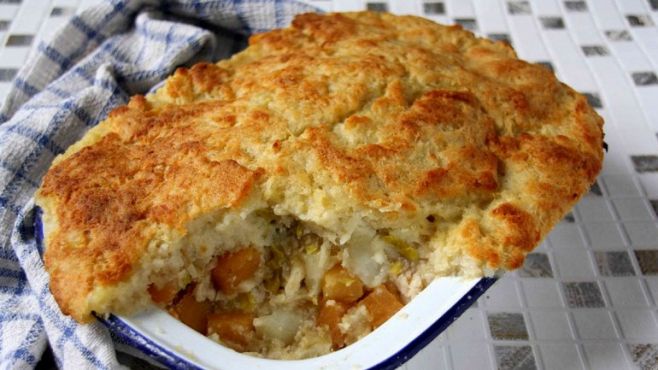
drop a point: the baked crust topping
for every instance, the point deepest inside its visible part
(413, 129)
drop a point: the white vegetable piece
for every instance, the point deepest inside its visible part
(281, 325)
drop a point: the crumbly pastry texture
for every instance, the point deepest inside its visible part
(398, 148)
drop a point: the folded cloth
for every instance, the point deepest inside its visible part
(70, 83)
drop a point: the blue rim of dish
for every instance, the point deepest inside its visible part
(166, 357)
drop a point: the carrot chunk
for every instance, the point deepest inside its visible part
(235, 328)
(192, 312)
(164, 294)
(340, 285)
(331, 312)
(233, 268)
(381, 303)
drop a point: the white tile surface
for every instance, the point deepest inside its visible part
(604, 236)
(470, 355)
(542, 293)
(573, 264)
(595, 209)
(550, 325)
(605, 356)
(593, 324)
(626, 292)
(468, 327)
(638, 324)
(642, 234)
(502, 295)
(560, 356)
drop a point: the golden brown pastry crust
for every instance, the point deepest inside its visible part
(402, 117)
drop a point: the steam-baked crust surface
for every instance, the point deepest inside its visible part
(393, 120)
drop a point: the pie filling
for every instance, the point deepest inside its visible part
(293, 294)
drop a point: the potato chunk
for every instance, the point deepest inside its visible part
(331, 312)
(340, 285)
(192, 312)
(233, 268)
(235, 328)
(381, 304)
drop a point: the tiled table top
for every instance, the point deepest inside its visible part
(586, 298)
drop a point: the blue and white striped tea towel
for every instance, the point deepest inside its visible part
(93, 64)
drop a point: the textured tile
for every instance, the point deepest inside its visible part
(507, 326)
(653, 4)
(618, 35)
(500, 37)
(639, 20)
(645, 356)
(536, 265)
(595, 50)
(552, 23)
(569, 218)
(515, 358)
(593, 99)
(19, 40)
(645, 163)
(614, 263)
(648, 261)
(61, 11)
(7, 74)
(576, 6)
(583, 294)
(548, 65)
(518, 7)
(377, 7)
(434, 8)
(468, 23)
(595, 189)
(644, 78)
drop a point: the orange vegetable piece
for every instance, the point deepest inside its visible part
(381, 304)
(192, 313)
(331, 312)
(235, 328)
(163, 295)
(340, 285)
(233, 268)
